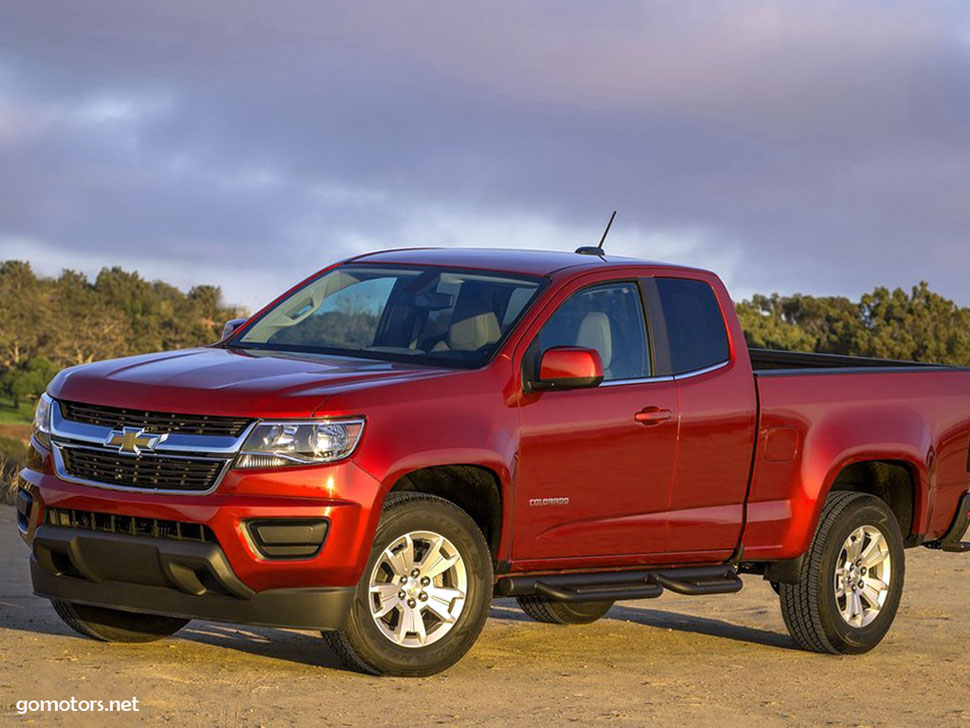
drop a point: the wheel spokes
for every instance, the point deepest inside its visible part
(855, 608)
(417, 625)
(387, 595)
(862, 575)
(417, 588)
(401, 559)
(875, 553)
(871, 595)
(436, 562)
(853, 546)
(441, 601)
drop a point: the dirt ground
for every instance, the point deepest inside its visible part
(714, 661)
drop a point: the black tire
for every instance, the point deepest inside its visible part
(810, 607)
(362, 646)
(115, 625)
(545, 610)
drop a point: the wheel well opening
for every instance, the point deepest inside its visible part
(472, 488)
(890, 480)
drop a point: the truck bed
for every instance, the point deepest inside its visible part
(911, 417)
(774, 360)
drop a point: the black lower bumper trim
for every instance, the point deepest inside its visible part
(159, 576)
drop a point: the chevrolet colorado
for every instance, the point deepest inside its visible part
(405, 434)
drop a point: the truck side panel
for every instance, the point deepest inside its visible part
(813, 425)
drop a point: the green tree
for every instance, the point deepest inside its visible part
(920, 325)
(27, 379)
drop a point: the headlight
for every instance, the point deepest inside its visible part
(275, 444)
(42, 421)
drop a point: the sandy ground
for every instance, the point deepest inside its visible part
(713, 661)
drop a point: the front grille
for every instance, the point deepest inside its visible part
(151, 472)
(156, 422)
(129, 525)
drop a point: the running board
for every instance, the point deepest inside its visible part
(952, 541)
(618, 585)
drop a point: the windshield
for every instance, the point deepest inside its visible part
(427, 315)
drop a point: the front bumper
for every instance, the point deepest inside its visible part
(139, 572)
(179, 579)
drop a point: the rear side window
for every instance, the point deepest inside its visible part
(695, 326)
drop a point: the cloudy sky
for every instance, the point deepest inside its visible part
(821, 147)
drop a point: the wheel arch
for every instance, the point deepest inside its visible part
(896, 482)
(476, 489)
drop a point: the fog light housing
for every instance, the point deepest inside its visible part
(277, 538)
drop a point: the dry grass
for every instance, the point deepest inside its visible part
(8, 489)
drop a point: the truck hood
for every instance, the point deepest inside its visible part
(228, 382)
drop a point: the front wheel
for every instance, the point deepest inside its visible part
(424, 596)
(851, 579)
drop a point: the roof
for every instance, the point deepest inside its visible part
(506, 260)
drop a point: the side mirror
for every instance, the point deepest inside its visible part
(568, 367)
(230, 328)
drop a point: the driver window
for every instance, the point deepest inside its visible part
(608, 318)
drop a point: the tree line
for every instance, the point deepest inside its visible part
(49, 323)
(918, 325)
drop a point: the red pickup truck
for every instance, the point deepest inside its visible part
(406, 434)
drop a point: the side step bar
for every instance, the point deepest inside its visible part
(953, 540)
(618, 585)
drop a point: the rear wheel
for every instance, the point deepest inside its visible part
(551, 612)
(424, 595)
(116, 625)
(851, 579)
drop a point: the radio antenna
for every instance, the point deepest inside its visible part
(598, 250)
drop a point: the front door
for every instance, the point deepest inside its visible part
(596, 465)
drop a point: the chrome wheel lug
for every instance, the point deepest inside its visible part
(412, 603)
(401, 595)
(423, 597)
(415, 573)
(425, 581)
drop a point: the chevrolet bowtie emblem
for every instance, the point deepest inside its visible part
(133, 440)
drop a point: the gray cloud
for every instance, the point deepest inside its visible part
(820, 147)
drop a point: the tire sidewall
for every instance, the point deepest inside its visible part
(583, 612)
(439, 516)
(844, 637)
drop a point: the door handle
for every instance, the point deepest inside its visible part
(652, 416)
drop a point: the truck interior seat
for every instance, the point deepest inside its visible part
(474, 332)
(595, 332)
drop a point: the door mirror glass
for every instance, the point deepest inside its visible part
(568, 367)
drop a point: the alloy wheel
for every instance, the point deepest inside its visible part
(863, 573)
(417, 589)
